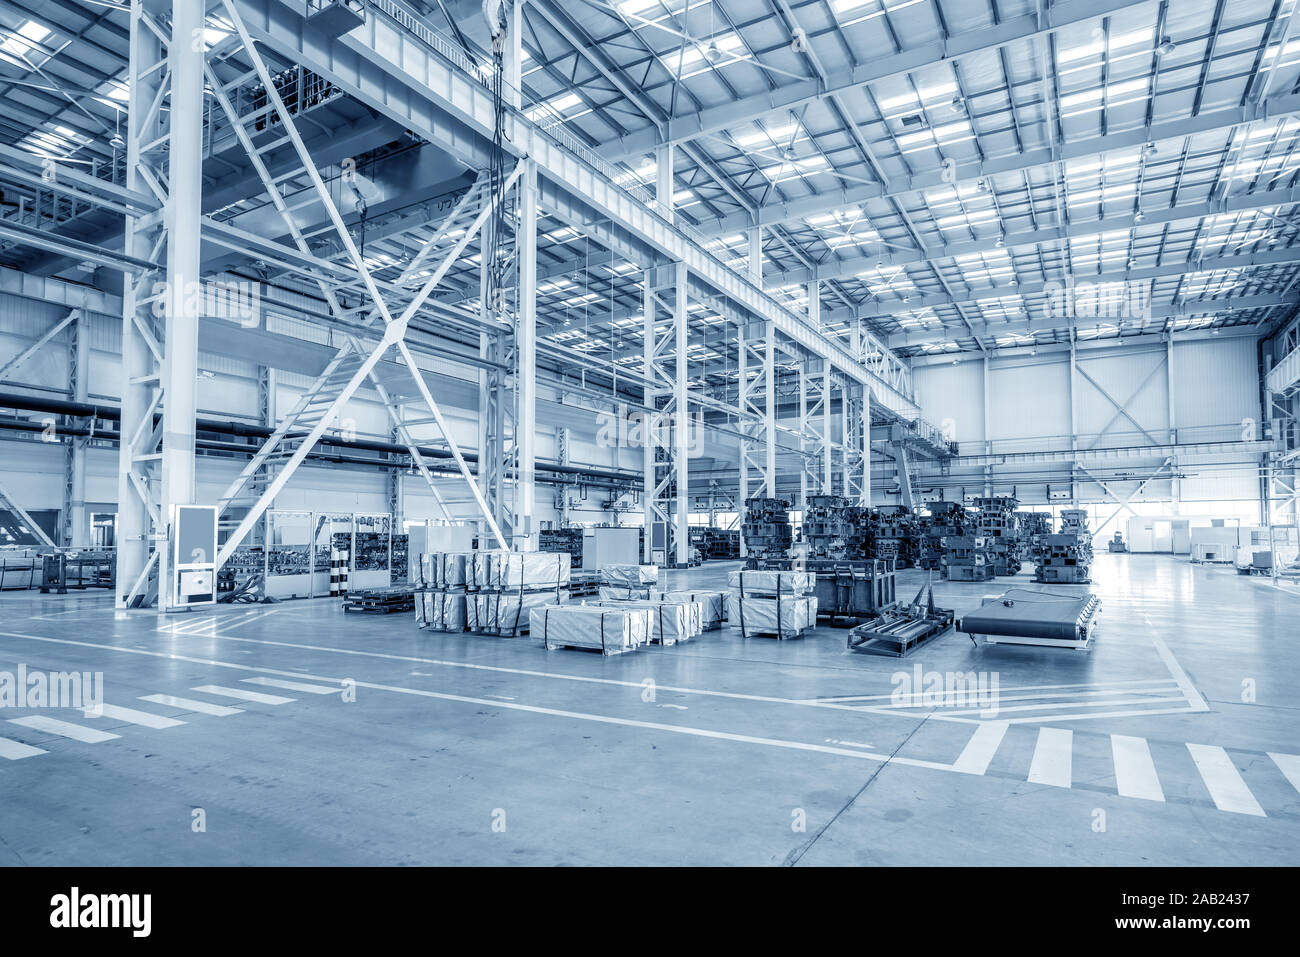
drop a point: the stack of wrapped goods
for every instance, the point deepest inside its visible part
(609, 630)
(624, 582)
(670, 621)
(505, 586)
(778, 604)
(713, 605)
(441, 591)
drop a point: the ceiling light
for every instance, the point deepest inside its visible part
(117, 142)
(1000, 242)
(983, 186)
(1166, 47)
(713, 53)
(957, 105)
(1138, 216)
(1150, 149)
(1132, 263)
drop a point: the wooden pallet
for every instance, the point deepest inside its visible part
(380, 604)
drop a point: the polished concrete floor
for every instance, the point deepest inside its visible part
(1173, 739)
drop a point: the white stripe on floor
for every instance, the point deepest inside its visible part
(292, 686)
(65, 729)
(1289, 765)
(1052, 763)
(189, 704)
(1135, 772)
(14, 750)
(1223, 781)
(981, 747)
(131, 716)
(243, 694)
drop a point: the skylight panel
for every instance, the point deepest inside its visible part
(24, 40)
(938, 92)
(1122, 41)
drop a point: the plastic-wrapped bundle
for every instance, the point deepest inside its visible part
(670, 621)
(611, 631)
(624, 592)
(713, 605)
(632, 575)
(505, 614)
(441, 610)
(755, 582)
(496, 569)
(780, 617)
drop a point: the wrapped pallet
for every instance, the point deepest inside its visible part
(505, 614)
(713, 605)
(777, 617)
(611, 631)
(444, 570)
(670, 622)
(443, 610)
(751, 581)
(527, 571)
(628, 580)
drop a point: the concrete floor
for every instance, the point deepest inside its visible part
(471, 750)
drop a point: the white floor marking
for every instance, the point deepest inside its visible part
(189, 704)
(1115, 685)
(1039, 719)
(64, 729)
(1053, 757)
(1072, 704)
(131, 716)
(16, 750)
(1289, 765)
(981, 747)
(292, 685)
(1135, 772)
(243, 694)
(1170, 688)
(1189, 690)
(1223, 781)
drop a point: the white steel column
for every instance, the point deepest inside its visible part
(648, 417)
(769, 410)
(681, 420)
(513, 55)
(814, 303)
(664, 179)
(742, 400)
(526, 369)
(866, 447)
(828, 448)
(76, 520)
(756, 255)
(182, 214)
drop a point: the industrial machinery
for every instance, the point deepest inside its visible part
(894, 533)
(853, 588)
(904, 628)
(998, 525)
(946, 519)
(715, 544)
(833, 528)
(567, 540)
(1066, 558)
(1116, 544)
(766, 531)
(1033, 526)
(965, 558)
(1025, 616)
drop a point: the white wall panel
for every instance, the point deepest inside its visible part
(953, 394)
(1215, 382)
(1134, 378)
(1028, 398)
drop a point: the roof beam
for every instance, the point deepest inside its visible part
(682, 129)
(971, 171)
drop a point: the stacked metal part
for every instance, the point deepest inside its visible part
(965, 558)
(766, 531)
(715, 544)
(1033, 526)
(1066, 558)
(831, 528)
(998, 524)
(946, 520)
(895, 533)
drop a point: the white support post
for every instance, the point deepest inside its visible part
(182, 215)
(756, 255)
(828, 448)
(866, 447)
(526, 369)
(803, 437)
(513, 55)
(814, 304)
(769, 410)
(647, 418)
(76, 525)
(742, 402)
(682, 419)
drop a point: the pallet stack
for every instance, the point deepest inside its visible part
(627, 582)
(441, 591)
(505, 586)
(671, 622)
(713, 605)
(609, 630)
(775, 604)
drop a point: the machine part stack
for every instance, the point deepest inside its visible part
(997, 523)
(715, 544)
(1066, 558)
(776, 604)
(1033, 526)
(1024, 616)
(904, 628)
(833, 528)
(946, 520)
(894, 533)
(766, 531)
(965, 559)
